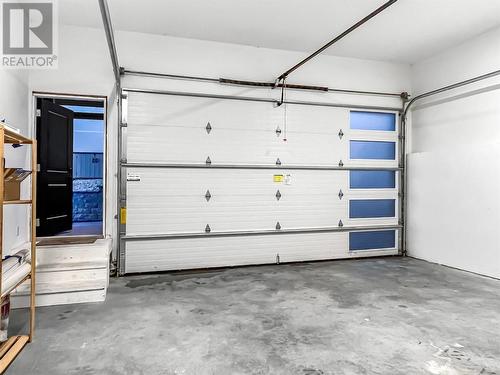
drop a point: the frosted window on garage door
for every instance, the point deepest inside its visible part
(372, 121)
(371, 208)
(372, 240)
(372, 179)
(373, 150)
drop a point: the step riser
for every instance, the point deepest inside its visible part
(18, 302)
(51, 282)
(74, 253)
(67, 256)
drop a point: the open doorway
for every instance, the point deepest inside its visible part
(71, 133)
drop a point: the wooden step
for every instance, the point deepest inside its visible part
(68, 274)
(62, 254)
(10, 349)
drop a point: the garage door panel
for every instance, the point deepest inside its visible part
(306, 247)
(144, 256)
(172, 144)
(371, 135)
(175, 254)
(168, 129)
(193, 145)
(316, 120)
(313, 149)
(193, 112)
(163, 200)
(162, 182)
(234, 207)
(229, 215)
(148, 213)
(184, 182)
(370, 222)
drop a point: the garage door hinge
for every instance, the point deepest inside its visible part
(208, 195)
(37, 222)
(208, 161)
(278, 226)
(38, 113)
(123, 160)
(341, 163)
(278, 195)
(207, 229)
(123, 124)
(208, 128)
(278, 161)
(277, 258)
(341, 224)
(124, 96)
(341, 194)
(278, 131)
(341, 133)
(401, 137)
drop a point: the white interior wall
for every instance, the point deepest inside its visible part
(14, 108)
(454, 171)
(85, 68)
(164, 54)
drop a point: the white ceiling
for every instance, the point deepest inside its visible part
(408, 31)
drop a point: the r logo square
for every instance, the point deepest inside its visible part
(28, 34)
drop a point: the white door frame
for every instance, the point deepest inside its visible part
(47, 95)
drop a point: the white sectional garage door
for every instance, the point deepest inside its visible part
(213, 182)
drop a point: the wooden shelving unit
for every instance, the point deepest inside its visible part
(15, 344)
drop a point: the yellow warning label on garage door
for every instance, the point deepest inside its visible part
(123, 215)
(278, 178)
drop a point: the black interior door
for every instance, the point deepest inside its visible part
(55, 174)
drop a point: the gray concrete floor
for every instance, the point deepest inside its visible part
(372, 316)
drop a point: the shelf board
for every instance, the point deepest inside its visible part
(13, 137)
(10, 349)
(15, 286)
(19, 201)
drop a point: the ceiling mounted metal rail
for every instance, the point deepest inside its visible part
(170, 76)
(450, 87)
(226, 81)
(336, 39)
(271, 85)
(256, 166)
(108, 29)
(167, 236)
(265, 100)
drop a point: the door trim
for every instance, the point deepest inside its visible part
(48, 95)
